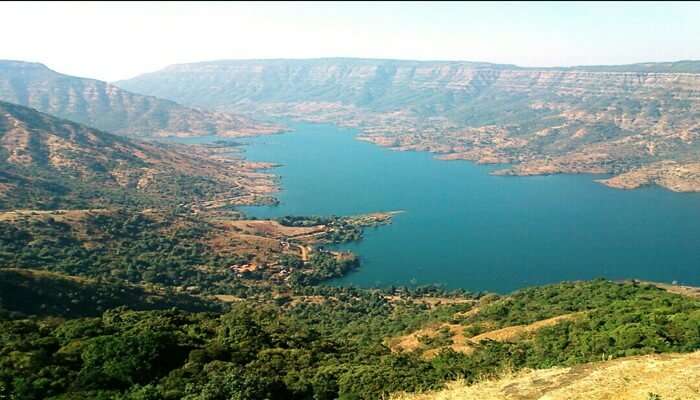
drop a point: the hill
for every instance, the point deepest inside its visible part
(638, 122)
(50, 163)
(106, 107)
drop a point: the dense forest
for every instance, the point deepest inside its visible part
(31, 292)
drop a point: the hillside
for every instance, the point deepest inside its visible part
(638, 122)
(106, 107)
(49, 163)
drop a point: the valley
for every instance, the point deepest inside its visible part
(458, 218)
(165, 260)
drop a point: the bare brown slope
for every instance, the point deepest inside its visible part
(49, 163)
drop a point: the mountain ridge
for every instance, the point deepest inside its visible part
(690, 64)
(107, 107)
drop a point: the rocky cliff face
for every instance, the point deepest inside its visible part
(602, 119)
(110, 108)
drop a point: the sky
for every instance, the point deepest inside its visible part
(119, 40)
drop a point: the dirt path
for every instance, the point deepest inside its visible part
(304, 251)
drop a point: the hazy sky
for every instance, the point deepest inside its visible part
(113, 41)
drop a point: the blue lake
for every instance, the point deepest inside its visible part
(462, 227)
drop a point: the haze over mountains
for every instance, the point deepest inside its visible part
(105, 106)
(639, 122)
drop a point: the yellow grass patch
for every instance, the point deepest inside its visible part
(516, 331)
(227, 298)
(463, 344)
(67, 216)
(273, 228)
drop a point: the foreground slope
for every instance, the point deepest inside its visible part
(327, 342)
(51, 163)
(638, 122)
(666, 376)
(109, 108)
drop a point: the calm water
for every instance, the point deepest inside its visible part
(464, 228)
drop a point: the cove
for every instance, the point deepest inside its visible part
(463, 228)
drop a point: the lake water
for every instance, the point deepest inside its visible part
(462, 227)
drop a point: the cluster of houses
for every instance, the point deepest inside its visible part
(241, 269)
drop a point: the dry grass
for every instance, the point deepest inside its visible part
(273, 228)
(411, 342)
(463, 344)
(433, 301)
(226, 298)
(671, 376)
